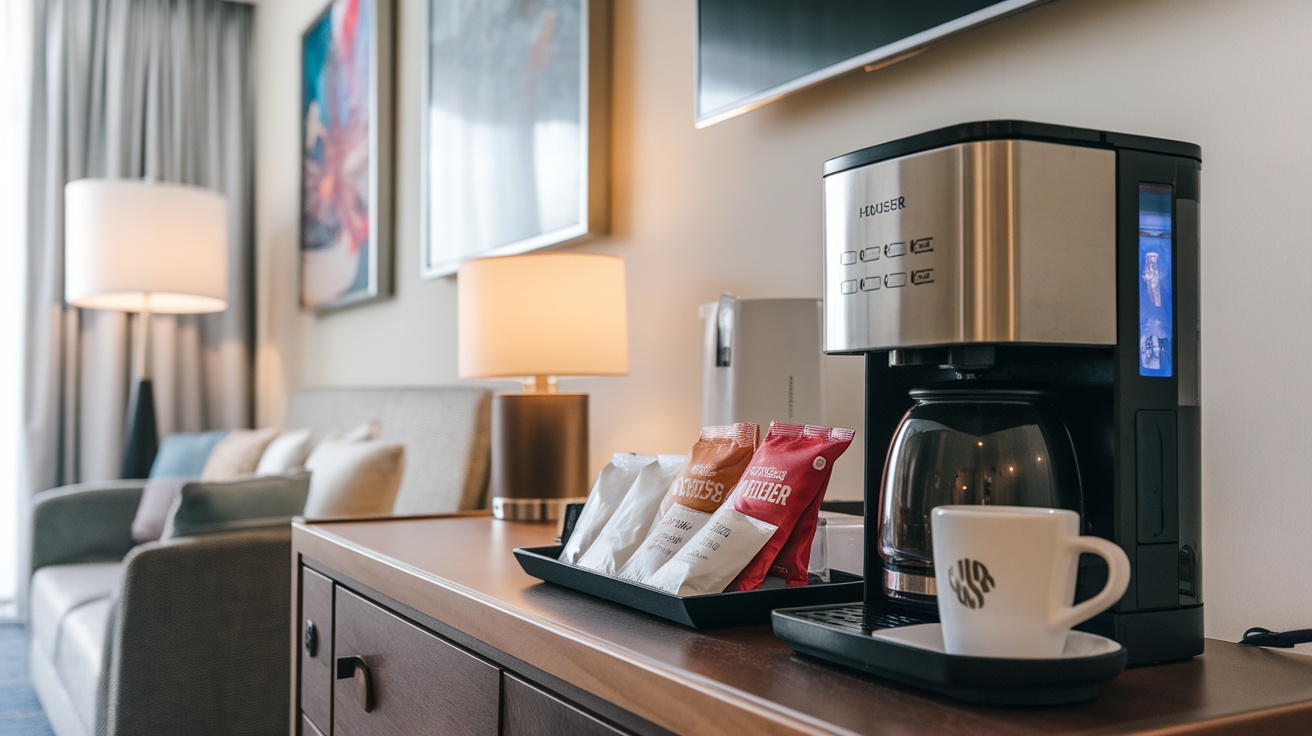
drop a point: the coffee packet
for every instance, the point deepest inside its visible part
(713, 467)
(784, 486)
(628, 526)
(607, 492)
(714, 555)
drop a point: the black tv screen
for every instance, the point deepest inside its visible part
(750, 52)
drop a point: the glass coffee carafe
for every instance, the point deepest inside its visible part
(967, 443)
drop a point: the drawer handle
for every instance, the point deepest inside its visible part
(354, 667)
(311, 638)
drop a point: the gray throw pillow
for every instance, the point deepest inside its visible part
(184, 454)
(205, 507)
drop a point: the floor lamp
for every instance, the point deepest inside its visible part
(151, 248)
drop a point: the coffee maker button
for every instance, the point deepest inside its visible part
(871, 283)
(894, 280)
(870, 254)
(922, 276)
(847, 258)
(893, 250)
(848, 287)
(922, 245)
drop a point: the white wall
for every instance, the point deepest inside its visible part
(737, 207)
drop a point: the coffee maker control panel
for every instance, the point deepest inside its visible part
(982, 242)
(894, 275)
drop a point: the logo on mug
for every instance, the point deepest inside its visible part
(970, 580)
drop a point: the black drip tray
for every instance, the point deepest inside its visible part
(889, 641)
(860, 618)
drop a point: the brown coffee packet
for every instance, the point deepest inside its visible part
(715, 464)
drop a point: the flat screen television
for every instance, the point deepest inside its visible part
(751, 52)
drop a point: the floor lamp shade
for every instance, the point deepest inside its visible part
(145, 247)
(536, 317)
(136, 246)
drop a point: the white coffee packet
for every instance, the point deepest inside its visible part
(676, 527)
(607, 492)
(628, 526)
(714, 556)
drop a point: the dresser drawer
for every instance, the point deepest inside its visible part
(529, 711)
(395, 678)
(315, 640)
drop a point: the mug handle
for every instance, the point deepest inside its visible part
(1118, 580)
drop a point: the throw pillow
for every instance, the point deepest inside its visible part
(237, 454)
(153, 511)
(285, 454)
(207, 507)
(184, 454)
(353, 478)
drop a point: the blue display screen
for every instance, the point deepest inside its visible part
(1156, 282)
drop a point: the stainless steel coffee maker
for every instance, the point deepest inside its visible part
(1026, 300)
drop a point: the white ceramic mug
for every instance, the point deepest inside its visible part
(1005, 579)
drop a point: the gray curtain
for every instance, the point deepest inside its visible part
(133, 88)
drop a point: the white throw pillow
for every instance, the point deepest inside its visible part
(286, 454)
(353, 478)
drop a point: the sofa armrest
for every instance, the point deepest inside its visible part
(84, 522)
(197, 642)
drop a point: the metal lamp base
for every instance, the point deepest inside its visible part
(539, 454)
(530, 509)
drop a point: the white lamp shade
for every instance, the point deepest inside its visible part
(559, 314)
(134, 246)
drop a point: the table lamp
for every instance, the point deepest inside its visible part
(537, 318)
(151, 248)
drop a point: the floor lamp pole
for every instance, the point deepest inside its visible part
(143, 437)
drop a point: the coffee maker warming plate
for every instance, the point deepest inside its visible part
(995, 241)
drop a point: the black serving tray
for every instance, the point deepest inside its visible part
(839, 634)
(720, 610)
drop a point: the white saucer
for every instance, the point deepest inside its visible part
(1079, 645)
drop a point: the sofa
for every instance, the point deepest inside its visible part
(191, 635)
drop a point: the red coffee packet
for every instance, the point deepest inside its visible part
(783, 485)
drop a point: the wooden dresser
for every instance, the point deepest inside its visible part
(434, 628)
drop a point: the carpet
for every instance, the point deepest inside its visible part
(20, 712)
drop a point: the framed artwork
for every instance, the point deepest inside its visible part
(346, 151)
(515, 127)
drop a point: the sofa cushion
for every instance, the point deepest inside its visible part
(237, 454)
(354, 478)
(50, 690)
(207, 507)
(445, 430)
(81, 654)
(58, 590)
(184, 454)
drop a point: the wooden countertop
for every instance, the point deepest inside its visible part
(460, 570)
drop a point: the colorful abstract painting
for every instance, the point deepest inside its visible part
(340, 227)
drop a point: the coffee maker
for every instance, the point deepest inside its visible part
(1040, 267)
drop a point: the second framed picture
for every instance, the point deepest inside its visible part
(515, 127)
